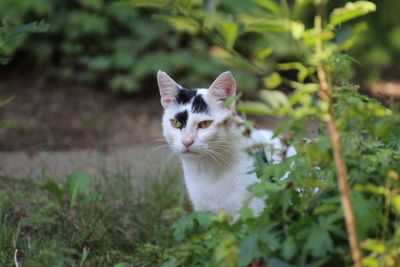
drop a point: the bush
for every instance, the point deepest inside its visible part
(100, 42)
(316, 216)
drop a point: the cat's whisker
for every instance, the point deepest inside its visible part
(218, 157)
(214, 158)
(221, 157)
(161, 140)
(165, 160)
(159, 148)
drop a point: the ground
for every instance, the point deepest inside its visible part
(44, 116)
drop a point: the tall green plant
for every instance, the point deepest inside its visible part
(309, 217)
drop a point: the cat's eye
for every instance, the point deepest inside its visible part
(176, 124)
(204, 124)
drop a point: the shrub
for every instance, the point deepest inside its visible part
(103, 43)
(343, 184)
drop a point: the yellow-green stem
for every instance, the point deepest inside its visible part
(325, 93)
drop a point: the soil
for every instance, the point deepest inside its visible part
(43, 116)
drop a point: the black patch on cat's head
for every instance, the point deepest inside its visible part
(185, 95)
(199, 105)
(182, 117)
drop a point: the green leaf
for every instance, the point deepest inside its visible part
(319, 242)
(183, 5)
(181, 23)
(144, 3)
(303, 71)
(297, 29)
(268, 5)
(77, 183)
(249, 249)
(396, 203)
(273, 80)
(229, 32)
(350, 11)
(255, 108)
(275, 98)
(34, 27)
(374, 245)
(226, 251)
(267, 25)
(232, 99)
(263, 53)
(289, 248)
(54, 189)
(183, 226)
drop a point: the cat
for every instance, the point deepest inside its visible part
(212, 143)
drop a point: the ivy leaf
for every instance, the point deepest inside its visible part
(350, 11)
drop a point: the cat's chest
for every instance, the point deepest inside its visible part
(218, 190)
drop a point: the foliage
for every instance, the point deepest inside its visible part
(303, 223)
(105, 43)
(7, 33)
(377, 44)
(88, 221)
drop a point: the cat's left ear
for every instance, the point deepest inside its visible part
(168, 88)
(223, 87)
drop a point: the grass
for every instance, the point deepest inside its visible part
(110, 223)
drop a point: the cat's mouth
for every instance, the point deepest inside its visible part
(189, 152)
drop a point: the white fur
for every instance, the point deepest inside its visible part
(216, 167)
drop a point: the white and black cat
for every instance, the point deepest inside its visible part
(208, 138)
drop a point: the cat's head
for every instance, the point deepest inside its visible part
(194, 121)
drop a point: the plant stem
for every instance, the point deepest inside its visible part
(325, 93)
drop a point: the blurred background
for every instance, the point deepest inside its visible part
(87, 85)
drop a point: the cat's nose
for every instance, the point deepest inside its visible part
(187, 142)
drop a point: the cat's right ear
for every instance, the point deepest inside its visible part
(168, 88)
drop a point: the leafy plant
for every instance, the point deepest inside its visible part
(319, 214)
(8, 32)
(106, 44)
